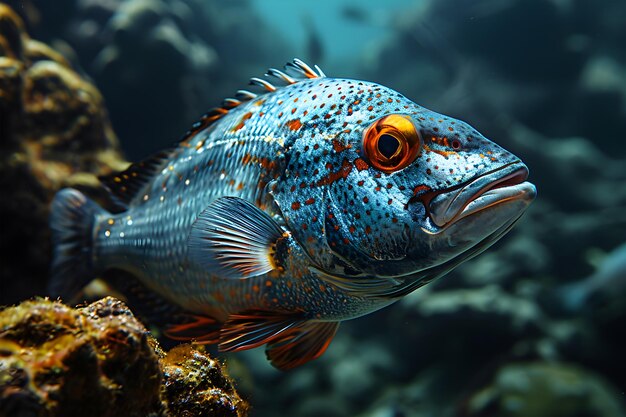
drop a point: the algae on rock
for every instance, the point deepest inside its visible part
(99, 360)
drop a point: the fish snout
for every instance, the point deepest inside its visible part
(496, 187)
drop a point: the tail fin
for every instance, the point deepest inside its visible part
(72, 219)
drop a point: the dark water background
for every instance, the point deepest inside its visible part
(533, 327)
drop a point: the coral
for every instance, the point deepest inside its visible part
(55, 133)
(99, 360)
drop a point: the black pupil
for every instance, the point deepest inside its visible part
(388, 145)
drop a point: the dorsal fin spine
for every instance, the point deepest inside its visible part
(262, 83)
(127, 184)
(273, 72)
(297, 66)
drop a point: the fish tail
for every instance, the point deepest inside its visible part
(72, 218)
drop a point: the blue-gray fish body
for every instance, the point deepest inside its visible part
(281, 214)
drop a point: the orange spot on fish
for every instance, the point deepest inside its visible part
(295, 205)
(309, 201)
(360, 165)
(294, 124)
(420, 188)
(339, 146)
(242, 122)
(344, 171)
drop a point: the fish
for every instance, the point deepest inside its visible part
(291, 208)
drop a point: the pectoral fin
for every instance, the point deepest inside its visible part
(234, 239)
(292, 340)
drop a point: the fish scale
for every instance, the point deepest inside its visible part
(280, 214)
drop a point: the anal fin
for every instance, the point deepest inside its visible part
(292, 340)
(253, 328)
(174, 321)
(301, 344)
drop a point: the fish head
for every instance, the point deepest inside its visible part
(384, 187)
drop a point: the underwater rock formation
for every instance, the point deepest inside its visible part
(99, 360)
(55, 133)
(159, 64)
(196, 385)
(545, 390)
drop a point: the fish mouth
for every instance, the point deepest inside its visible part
(505, 184)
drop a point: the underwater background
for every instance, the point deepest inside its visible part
(533, 327)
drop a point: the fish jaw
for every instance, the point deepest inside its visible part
(499, 186)
(472, 217)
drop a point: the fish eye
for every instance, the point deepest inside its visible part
(388, 146)
(391, 143)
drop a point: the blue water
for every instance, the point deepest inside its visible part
(344, 40)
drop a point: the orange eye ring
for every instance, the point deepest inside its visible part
(391, 143)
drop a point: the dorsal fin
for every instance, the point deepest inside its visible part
(125, 185)
(295, 71)
(129, 183)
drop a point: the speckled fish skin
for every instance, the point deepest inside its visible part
(356, 238)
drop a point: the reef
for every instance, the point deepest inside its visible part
(55, 133)
(99, 360)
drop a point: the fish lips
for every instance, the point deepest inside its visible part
(496, 187)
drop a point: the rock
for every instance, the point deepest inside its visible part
(160, 64)
(99, 360)
(55, 133)
(196, 385)
(96, 360)
(545, 390)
